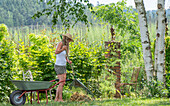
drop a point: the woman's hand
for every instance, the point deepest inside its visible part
(64, 47)
(69, 61)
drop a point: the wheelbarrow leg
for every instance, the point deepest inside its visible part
(46, 96)
(31, 97)
(38, 97)
(22, 94)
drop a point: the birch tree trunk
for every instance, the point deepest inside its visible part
(156, 53)
(147, 56)
(161, 40)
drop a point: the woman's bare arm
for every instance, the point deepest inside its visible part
(60, 48)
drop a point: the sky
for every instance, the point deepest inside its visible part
(149, 4)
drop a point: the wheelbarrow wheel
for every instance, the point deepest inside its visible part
(14, 98)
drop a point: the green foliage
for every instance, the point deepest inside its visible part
(42, 53)
(66, 11)
(7, 65)
(167, 62)
(107, 84)
(123, 18)
(167, 55)
(19, 12)
(3, 31)
(88, 62)
(154, 88)
(39, 58)
(125, 22)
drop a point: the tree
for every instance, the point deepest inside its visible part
(7, 64)
(20, 12)
(123, 18)
(147, 56)
(68, 11)
(160, 41)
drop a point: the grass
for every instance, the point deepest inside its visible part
(109, 102)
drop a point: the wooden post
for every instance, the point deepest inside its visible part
(114, 47)
(117, 68)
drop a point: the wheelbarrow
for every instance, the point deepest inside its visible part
(18, 97)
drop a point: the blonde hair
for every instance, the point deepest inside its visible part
(65, 42)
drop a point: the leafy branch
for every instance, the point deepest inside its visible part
(68, 11)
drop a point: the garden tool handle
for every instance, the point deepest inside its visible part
(71, 65)
(72, 69)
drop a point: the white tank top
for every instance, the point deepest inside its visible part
(61, 58)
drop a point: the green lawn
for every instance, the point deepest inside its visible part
(109, 102)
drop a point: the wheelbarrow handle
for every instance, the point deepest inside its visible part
(58, 80)
(66, 79)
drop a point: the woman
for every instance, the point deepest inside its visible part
(61, 52)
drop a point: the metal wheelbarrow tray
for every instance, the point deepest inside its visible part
(32, 85)
(18, 97)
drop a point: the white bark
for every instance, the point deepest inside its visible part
(147, 56)
(156, 57)
(161, 40)
(156, 53)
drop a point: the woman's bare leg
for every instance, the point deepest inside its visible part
(56, 98)
(63, 77)
(59, 91)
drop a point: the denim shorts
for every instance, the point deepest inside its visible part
(60, 69)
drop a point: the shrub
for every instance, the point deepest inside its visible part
(7, 63)
(39, 58)
(154, 88)
(3, 31)
(88, 63)
(167, 63)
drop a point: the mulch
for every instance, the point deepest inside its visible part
(79, 97)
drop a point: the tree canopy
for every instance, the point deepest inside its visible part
(68, 11)
(19, 12)
(123, 18)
